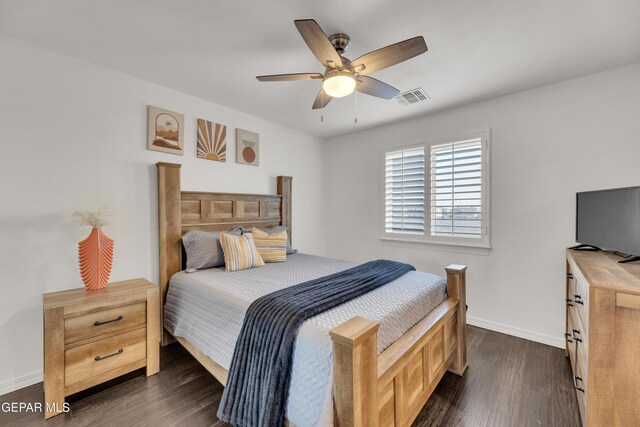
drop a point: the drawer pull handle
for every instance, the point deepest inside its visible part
(568, 337)
(578, 299)
(569, 302)
(575, 383)
(117, 319)
(573, 335)
(99, 358)
(569, 275)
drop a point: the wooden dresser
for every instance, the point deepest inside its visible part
(603, 337)
(94, 336)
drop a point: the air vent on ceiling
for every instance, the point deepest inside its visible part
(412, 96)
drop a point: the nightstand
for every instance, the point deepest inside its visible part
(93, 336)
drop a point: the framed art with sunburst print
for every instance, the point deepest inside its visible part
(212, 141)
(247, 147)
(166, 131)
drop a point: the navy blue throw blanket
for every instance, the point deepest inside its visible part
(258, 385)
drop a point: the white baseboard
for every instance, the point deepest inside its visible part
(20, 382)
(516, 332)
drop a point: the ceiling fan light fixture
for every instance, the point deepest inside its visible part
(338, 83)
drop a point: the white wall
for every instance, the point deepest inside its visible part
(73, 137)
(547, 144)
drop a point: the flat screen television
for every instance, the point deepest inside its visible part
(610, 219)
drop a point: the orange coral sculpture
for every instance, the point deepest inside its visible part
(96, 257)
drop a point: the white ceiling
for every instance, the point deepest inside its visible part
(213, 49)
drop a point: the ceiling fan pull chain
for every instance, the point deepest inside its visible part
(322, 98)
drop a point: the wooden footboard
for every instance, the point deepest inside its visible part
(392, 388)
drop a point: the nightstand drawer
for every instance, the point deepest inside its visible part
(98, 357)
(103, 322)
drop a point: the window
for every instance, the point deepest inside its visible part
(438, 192)
(404, 190)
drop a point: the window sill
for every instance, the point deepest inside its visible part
(477, 248)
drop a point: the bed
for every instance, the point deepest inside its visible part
(378, 368)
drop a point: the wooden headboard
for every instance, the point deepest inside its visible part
(180, 211)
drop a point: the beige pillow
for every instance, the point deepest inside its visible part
(272, 247)
(240, 252)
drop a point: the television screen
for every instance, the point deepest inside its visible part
(609, 219)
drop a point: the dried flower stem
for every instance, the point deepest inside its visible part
(97, 218)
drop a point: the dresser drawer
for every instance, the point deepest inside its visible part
(580, 385)
(104, 322)
(579, 336)
(571, 284)
(582, 295)
(579, 294)
(571, 344)
(98, 357)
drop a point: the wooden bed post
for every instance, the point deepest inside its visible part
(169, 232)
(355, 373)
(457, 288)
(284, 190)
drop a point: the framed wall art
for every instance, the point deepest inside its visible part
(247, 147)
(165, 131)
(212, 141)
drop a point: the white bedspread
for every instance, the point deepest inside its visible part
(207, 308)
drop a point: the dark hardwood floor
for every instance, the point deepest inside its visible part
(510, 382)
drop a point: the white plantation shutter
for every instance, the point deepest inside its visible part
(404, 191)
(456, 189)
(438, 192)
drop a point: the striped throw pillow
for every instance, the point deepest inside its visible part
(272, 247)
(240, 252)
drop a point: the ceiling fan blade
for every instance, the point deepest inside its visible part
(390, 55)
(289, 77)
(375, 87)
(318, 42)
(321, 100)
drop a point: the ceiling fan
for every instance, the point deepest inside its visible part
(342, 76)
